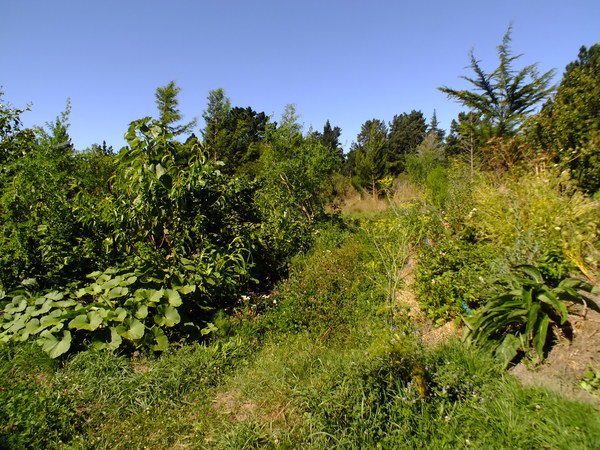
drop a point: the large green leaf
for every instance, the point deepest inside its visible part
(113, 282)
(533, 272)
(160, 171)
(53, 345)
(54, 295)
(89, 321)
(128, 281)
(187, 289)
(149, 295)
(131, 329)
(159, 342)
(107, 338)
(45, 307)
(18, 304)
(539, 338)
(532, 318)
(508, 349)
(574, 283)
(142, 312)
(550, 299)
(173, 297)
(51, 319)
(64, 303)
(117, 292)
(33, 326)
(166, 316)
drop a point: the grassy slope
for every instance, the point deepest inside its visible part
(326, 362)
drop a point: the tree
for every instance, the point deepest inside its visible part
(293, 189)
(370, 149)
(435, 129)
(330, 138)
(504, 97)
(464, 138)
(289, 121)
(214, 116)
(169, 114)
(37, 189)
(568, 127)
(237, 146)
(407, 131)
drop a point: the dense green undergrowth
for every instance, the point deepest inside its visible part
(325, 361)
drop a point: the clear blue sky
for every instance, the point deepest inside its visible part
(343, 60)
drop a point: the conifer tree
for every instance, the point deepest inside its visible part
(504, 97)
(169, 114)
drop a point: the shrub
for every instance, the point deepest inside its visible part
(543, 210)
(519, 318)
(450, 276)
(326, 291)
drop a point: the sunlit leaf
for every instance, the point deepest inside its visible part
(173, 297)
(54, 345)
(131, 329)
(167, 316)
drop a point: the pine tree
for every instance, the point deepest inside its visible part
(215, 116)
(504, 97)
(167, 103)
(435, 129)
(330, 138)
(407, 131)
(370, 150)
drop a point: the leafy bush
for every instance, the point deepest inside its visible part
(543, 210)
(519, 318)
(325, 292)
(450, 277)
(436, 185)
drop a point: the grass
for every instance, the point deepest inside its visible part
(325, 362)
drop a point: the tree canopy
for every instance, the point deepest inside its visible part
(505, 96)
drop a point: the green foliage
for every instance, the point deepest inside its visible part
(505, 96)
(535, 214)
(37, 228)
(293, 191)
(167, 102)
(330, 138)
(428, 155)
(519, 318)
(591, 381)
(567, 129)
(325, 293)
(388, 242)
(407, 132)
(112, 308)
(34, 411)
(233, 135)
(449, 276)
(370, 155)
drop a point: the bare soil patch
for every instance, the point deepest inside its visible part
(568, 360)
